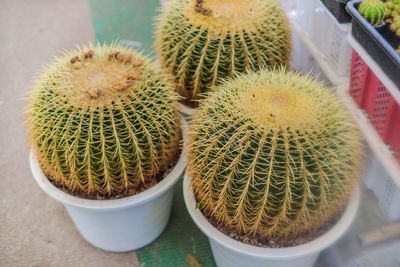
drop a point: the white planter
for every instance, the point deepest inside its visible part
(186, 111)
(120, 224)
(232, 253)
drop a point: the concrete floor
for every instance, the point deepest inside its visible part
(34, 229)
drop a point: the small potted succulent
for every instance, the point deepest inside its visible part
(105, 133)
(376, 26)
(201, 42)
(273, 162)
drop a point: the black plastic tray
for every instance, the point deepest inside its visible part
(380, 42)
(338, 9)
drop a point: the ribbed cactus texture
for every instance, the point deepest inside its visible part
(200, 42)
(374, 11)
(103, 120)
(272, 155)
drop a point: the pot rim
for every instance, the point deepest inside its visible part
(111, 204)
(186, 110)
(314, 246)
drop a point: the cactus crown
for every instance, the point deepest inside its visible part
(103, 120)
(277, 107)
(203, 41)
(374, 11)
(272, 155)
(225, 15)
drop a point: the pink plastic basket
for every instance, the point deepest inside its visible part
(372, 96)
(358, 76)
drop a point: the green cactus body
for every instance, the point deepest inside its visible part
(103, 120)
(201, 42)
(374, 11)
(272, 155)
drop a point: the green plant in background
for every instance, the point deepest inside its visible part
(393, 8)
(103, 120)
(272, 155)
(374, 11)
(203, 41)
(395, 25)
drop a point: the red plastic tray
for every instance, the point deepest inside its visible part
(358, 78)
(372, 96)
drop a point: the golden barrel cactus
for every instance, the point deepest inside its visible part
(203, 41)
(273, 155)
(102, 120)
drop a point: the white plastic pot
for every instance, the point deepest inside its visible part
(120, 224)
(232, 253)
(186, 111)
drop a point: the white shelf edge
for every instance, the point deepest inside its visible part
(388, 83)
(345, 27)
(318, 56)
(380, 149)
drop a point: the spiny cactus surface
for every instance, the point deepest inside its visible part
(273, 155)
(103, 120)
(200, 42)
(374, 11)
